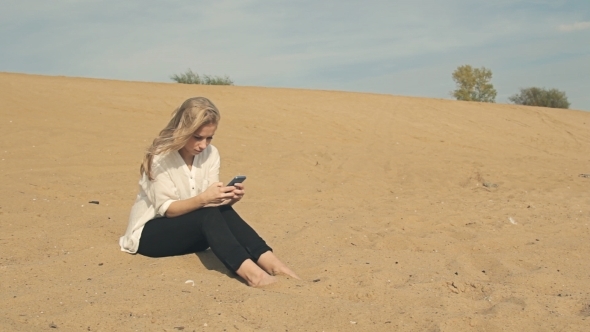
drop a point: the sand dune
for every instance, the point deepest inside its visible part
(401, 214)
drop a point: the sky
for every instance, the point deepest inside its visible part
(407, 48)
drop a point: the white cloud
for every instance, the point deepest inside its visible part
(574, 27)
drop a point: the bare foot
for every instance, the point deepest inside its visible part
(254, 275)
(273, 266)
(265, 281)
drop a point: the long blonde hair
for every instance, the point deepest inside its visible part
(188, 118)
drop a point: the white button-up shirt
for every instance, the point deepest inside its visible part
(173, 181)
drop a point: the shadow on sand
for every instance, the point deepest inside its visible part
(212, 263)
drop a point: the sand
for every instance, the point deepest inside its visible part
(399, 213)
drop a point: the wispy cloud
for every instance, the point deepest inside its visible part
(574, 27)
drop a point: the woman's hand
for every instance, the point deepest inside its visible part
(218, 194)
(238, 192)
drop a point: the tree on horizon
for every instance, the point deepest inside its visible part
(473, 84)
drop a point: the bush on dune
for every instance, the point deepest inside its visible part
(541, 97)
(189, 77)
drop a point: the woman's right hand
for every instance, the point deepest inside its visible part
(217, 194)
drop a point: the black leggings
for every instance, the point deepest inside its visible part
(231, 239)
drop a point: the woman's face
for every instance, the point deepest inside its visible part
(199, 140)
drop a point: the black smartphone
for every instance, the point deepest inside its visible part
(237, 179)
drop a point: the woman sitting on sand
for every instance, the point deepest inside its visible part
(182, 207)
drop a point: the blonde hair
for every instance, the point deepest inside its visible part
(186, 120)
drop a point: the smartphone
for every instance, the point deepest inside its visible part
(237, 179)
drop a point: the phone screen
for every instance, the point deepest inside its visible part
(237, 179)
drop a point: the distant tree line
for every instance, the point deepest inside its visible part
(189, 77)
(473, 84)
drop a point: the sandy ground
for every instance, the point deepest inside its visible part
(401, 214)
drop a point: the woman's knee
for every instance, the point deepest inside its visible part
(213, 221)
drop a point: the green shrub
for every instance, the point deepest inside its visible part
(541, 97)
(189, 77)
(473, 84)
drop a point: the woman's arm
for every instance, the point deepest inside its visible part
(217, 194)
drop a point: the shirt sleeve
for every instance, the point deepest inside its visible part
(163, 190)
(214, 164)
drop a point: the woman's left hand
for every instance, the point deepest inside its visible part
(238, 192)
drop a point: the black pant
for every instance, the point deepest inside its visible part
(231, 239)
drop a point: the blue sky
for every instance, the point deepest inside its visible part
(394, 47)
